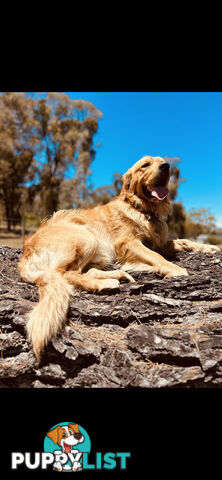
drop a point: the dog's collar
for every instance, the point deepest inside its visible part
(149, 215)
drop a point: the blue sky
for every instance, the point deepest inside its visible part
(185, 125)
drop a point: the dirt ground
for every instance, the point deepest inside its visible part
(154, 333)
(10, 239)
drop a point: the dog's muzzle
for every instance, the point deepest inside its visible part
(164, 173)
(165, 167)
(77, 436)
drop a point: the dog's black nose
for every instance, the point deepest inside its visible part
(164, 166)
(77, 436)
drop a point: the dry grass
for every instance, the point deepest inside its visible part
(10, 239)
(11, 242)
(98, 336)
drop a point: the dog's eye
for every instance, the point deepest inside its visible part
(146, 165)
(64, 434)
(70, 432)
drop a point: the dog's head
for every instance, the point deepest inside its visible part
(66, 436)
(146, 183)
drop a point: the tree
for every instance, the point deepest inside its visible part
(45, 141)
(176, 220)
(199, 221)
(106, 193)
(17, 148)
(66, 130)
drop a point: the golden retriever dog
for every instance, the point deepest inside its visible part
(74, 248)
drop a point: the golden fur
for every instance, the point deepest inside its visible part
(72, 249)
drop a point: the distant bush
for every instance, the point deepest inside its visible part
(31, 220)
(214, 240)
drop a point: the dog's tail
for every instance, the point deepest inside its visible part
(46, 319)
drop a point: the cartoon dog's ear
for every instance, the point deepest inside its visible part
(74, 427)
(53, 434)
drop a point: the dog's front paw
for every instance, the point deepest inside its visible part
(110, 284)
(125, 275)
(179, 272)
(76, 466)
(57, 466)
(210, 249)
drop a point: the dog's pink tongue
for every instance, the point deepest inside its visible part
(67, 448)
(160, 192)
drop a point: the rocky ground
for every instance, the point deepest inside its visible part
(154, 333)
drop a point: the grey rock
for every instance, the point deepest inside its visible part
(156, 333)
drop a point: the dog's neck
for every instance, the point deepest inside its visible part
(152, 211)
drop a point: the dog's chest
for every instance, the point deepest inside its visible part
(158, 233)
(153, 230)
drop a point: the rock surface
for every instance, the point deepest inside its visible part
(154, 333)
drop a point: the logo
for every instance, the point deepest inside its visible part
(67, 446)
(67, 441)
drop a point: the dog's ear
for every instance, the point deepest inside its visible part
(53, 434)
(74, 427)
(126, 178)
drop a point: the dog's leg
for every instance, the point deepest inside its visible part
(97, 280)
(135, 256)
(118, 274)
(180, 245)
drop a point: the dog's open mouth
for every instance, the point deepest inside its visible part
(67, 447)
(159, 191)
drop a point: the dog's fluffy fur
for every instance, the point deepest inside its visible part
(73, 249)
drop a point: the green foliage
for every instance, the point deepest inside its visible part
(66, 129)
(214, 240)
(40, 140)
(199, 222)
(193, 230)
(17, 147)
(176, 220)
(31, 220)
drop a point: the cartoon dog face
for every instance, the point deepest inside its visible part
(66, 436)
